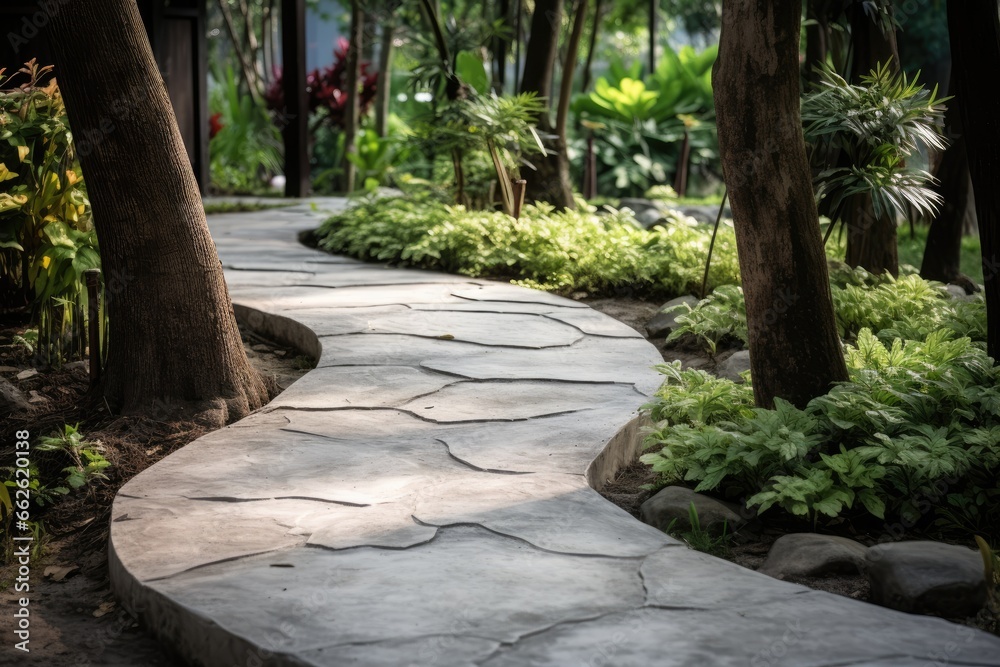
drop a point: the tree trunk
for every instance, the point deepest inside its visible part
(795, 353)
(974, 28)
(651, 64)
(174, 348)
(942, 256)
(500, 48)
(592, 46)
(382, 95)
(352, 111)
(871, 240)
(550, 180)
(817, 42)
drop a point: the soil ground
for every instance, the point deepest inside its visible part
(75, 620)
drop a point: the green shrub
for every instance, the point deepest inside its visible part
(908, 307)
(561, 251)
(912, 436)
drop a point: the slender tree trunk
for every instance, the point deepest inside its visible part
(974, 27)
(591, 47)
(871, 239)
(174, 346)
(352, 112)
(942, 256)
(550, 180)
(795, 353)
(651, 63)
(384, 92)
(500, 48)
(817, 43)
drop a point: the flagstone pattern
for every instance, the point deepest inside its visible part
(425, 496)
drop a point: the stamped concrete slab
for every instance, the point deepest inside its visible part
(466, 581)
(595, 323)
(628, 361)
(490, 400)
(458, 529)
(556, 513)
(492, 329)
(359, 387)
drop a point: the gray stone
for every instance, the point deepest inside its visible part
(956, 291)
(705, 214)
(27, 374)
(924, 577)
(650, 218)
(638, 205)
(673, 504)
(735, 364)
(260, 347)
(802, 555)
(12, 399)
(663, 322)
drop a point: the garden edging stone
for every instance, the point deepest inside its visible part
(450, 519)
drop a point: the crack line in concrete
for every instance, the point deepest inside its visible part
(493, 471)
(426, 419)
(229, 499)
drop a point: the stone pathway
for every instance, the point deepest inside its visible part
(423, 497)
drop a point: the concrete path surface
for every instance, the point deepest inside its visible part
(423, 497)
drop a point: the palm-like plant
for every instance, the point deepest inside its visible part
(878, 125)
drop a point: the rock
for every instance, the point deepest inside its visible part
(955, 291)
(733, 365)
(260, 347)
(280, 353)
(674, 502)
(801, 555)
(650, 218)
(662, 323)
(705, 214)
(25, 375)
(9, 369)
(73, 365)
(35, 397)
(923, 577)
(638, 205)
(12, 399)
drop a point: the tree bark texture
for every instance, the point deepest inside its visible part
(795, 352)
(871, 239)
(382, 95)
(974, 27)
(550, 180)
(174, 347)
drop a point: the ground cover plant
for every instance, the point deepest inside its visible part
(563, 251)
(911, 439)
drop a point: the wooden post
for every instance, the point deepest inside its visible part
(93, 280)
(296, 111)
(518, 187)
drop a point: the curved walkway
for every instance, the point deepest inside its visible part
(423, 497)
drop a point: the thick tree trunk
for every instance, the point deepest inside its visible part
(352, 111)
(384, 91)
(500, 48)
(550, 180)
(795, 353)
(174, 346)
(974, 27)
(871, 239)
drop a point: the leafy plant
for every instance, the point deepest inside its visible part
(914, 434)
(878, 124)
(88, 462)
(553, 250)
(246, 152)
(47, 236)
